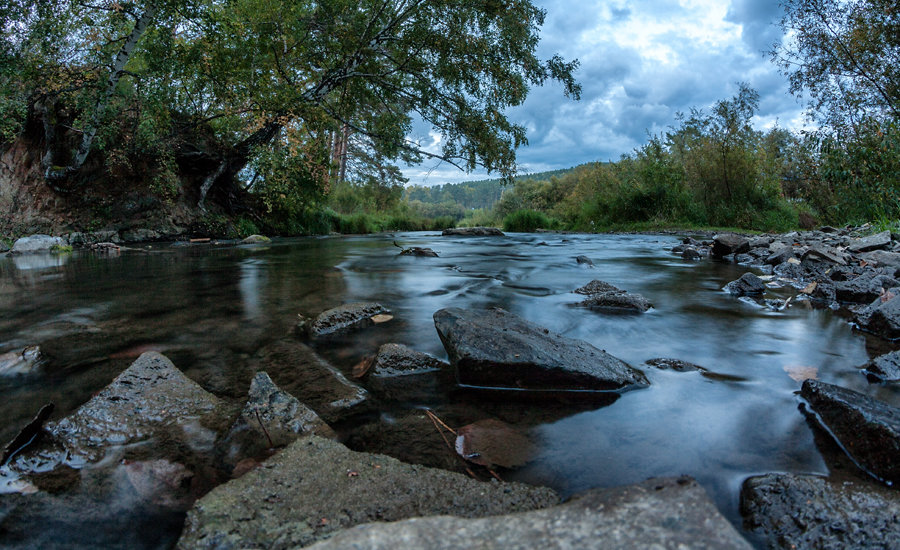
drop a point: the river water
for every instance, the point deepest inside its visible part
(211, 307)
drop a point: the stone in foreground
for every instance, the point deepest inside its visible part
(885, 368)
(885, 318)
(802, 511)
(868, 430)
(150, 397)
(403, 374)
(495, 348)
(748, 285)
(342, 318)
(316, 487)
(658, 513)
(473, 232)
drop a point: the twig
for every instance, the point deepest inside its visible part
(261, 425)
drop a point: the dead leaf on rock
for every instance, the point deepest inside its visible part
(362, 368)
(383, 318)
(493, 443)
(810, 288)
(800, 373)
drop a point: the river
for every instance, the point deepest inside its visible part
(211, 307)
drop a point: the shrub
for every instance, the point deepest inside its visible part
(526, 221)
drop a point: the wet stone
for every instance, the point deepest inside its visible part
(748, 285)
(495, 348)
(885, 368)
(584, 260)
(864, 288)
(883, 317)
(616, 302)
(36, 243)
(342, 318)
(597, 287)
(402, 374)
(726, 244)
(658, 513)
(872, 242)
(867, 429)
(803, 511)
(691, 254)
(675, 364)
(316, 487)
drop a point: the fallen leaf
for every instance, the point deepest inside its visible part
(362, 368)
(800, 373)
(886, 295)
(383, 318)
(810, 288)
(793, 261)
(493, 443)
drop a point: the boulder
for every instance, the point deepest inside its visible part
(691, 254)
(878, 241)
(884, 368)
(597, 287)
(617, 302)
(804, 511)
(868, 430)
(496, 348)
(316, 487)
(342, 318)
(150, 399)
(864, 288)
(748, 285)
(473, 232)
(418, 251)
(883, 317)
(729, 243)
(780, 255)
(302, 373)
(36, 243)
(256, 239)
(402, 374)
(658, 513)
(271, 418)
(584, 260)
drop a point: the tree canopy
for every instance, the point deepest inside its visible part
(211, 88)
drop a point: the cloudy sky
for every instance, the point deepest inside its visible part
(641, 63)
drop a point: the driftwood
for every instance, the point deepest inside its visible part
(416, 251)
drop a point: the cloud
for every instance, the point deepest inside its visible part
(642, 62)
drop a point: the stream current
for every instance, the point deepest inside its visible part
(209, 308)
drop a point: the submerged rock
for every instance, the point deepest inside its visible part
(36, 243)
(675, 364)
(342, 318)
(473, 232)
(316, 487)
(868, 430)
(729, 243)
(617, 302)
(151, 398)
(584, 260)
(402, 374)
(803, 511)
(496, 348)
(24, 361)
(658, 513)
(748, 285)
(885, 368)
(302, 373)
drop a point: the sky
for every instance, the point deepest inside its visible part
(641, 62)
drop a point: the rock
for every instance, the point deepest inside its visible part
(584, 260)
(271, 418)
(675, 364)
(691, 254)
(804, 511)
(30, 434)
(884, 368)
(256, 239)
(24, 361)
(863, 289)
(872, 242)
(729, 243)
(617, 302)
(316, 487)
(343, 318)
(495, 348)
(36, 243)
(658, 513)
(883, 259)
(140, 235)
(301, 372)
(473, 232)
(868, 430)
(822, 254)
(884, 318)
(417, 251)
(597, 287)
(402, 374)
(149, 399)
(744, 259)
(748, 285)
(780, 255)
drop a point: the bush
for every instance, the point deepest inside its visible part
(525, 221)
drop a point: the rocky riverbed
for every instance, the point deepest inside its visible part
(300, 458)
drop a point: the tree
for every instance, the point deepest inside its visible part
(845, 55)
(215, 84)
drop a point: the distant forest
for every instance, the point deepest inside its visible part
(472, 194)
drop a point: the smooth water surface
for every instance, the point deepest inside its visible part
(210, 308)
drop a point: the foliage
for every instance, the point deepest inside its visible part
(525, 221)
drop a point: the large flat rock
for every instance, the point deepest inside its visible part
(872, 242)
(867, 429)
(342, 318)
(658, 513)
(802, 511)
(316, 487)
(495, 348)
(150, 397)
